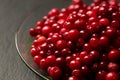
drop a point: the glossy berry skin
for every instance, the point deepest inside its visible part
(95, 55)
(73, 35)
(51, 60)
(85, 70)
(87, 47)
(94, 42)
(101, 75)
(104, 22)
(104, 41)
(114, 55)
(53, 12)
(74, 64)
(65, 52)
(60, 61)
(61, 44)
(77, 73)
(37, 59)
(41, 40)
(46, 30)
(87, 60)
(111, 32)
(72, 78)
(79, 42)
(32, 32)
(34, 52)
(112, 76)
(83, 54)
(55, 72)
(43, 64)
(113, 67)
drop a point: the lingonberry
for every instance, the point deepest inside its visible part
(87, 60)
(95, 67)
(80, 42)
(112, 76)
(77, 73)
(113, 67)
(82, 54)
(55, 27)
(46, 30)
(68, 25)
(95, 55)
(73, 35)
(101, 75)
(79, 24)
(104, 41)
(51, 60)
(103, 65)
(37, 59)
(111, 32)
(87, 47)
(94, 42)
(104, 22)
(55, 72)
(72, 78)
(39, 23)
(34, 52)
(61, 44)
(65, 52)
(43, 64)
(32, 32)
(53, 12)
(41, 40)
(114, 55)
(85, 70)
(68, 59)
(60, 61)
(74, 64)
(43, 53)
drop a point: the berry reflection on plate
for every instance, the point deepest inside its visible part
(80, 42)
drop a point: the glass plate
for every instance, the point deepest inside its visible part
(23, 40)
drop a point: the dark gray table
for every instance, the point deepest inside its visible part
(12, 13)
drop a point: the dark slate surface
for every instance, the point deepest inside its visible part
(12, 13)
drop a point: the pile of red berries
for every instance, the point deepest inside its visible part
(80, 42)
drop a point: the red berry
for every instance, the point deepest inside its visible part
(113, 67)
(95, 55)
(104, 40)
(46, 30)
(53, 12)
(34, 52)
(73, 35)
(55, 72)
(94, 42)
(77, 73)
(37, 59)
(112, 76)
(41, 40)
(51, 59)
(43, 64)
(32, 32)
(101, 75)
(74, 64)
(104, 21)
(72, 78)
(61, 44)
(60, 61)
(114, 55)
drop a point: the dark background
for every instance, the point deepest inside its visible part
(12, 13)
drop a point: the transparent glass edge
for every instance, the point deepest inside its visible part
(38, 74)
